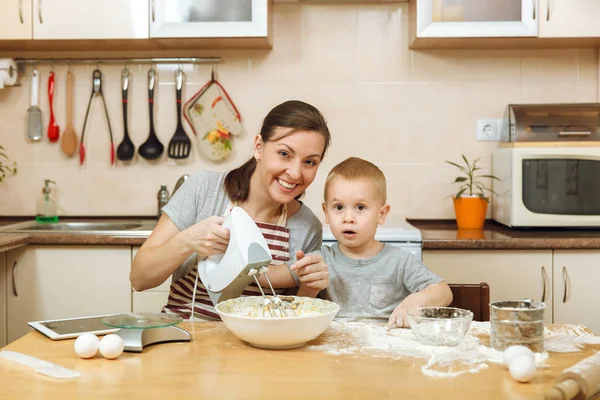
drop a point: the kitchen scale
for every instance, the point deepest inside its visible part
(139, 330)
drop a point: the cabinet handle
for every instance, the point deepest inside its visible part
(544, 283)
(40, 11)
(533, 3)
(21, 10)
(14, 280)
(548, 10)
(565, 278)
(153, 9)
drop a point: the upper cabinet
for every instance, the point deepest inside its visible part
(89, 19)
(569, 18)
(476, 18)
(28, 26)
(504, 23)
(15, 19)
(208, 18)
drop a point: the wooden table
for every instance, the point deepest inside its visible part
(217, 365)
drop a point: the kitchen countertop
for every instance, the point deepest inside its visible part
(444, 235)
(215, 364)
(12, 240)
(437, 235)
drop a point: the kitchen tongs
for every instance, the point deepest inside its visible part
(96, 90)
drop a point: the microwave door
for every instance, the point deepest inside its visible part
(561, 186)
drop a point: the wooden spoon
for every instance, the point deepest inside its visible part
(69, 138)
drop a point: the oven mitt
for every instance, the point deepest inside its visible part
(215, 119)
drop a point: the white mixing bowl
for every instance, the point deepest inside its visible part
(244, 318)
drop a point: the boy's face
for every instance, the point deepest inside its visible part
(353, 209)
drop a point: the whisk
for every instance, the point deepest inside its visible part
(276, 306)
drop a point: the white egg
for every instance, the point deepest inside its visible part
(513, 351)
(111, 346)
(86, 345)
(522, 368)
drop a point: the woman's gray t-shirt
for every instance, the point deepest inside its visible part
(375, 286)
(203, 195)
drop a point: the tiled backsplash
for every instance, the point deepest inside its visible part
(407, 111)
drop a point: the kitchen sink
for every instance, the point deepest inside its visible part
(112, 228)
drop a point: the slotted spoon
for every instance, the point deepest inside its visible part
(180, 144)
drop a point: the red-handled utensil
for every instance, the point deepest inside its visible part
(53, 129)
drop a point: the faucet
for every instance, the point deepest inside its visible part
(180, 182)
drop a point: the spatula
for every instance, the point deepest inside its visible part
(180, 144)
(53, 129)
(69, 139)
(34, 114)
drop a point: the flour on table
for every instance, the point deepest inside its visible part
(568, 339)
(470, 356)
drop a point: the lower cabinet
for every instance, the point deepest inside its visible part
(2, 300)
(52, 282)
(576, 290)
(511, 274)
(151, 300)
(566, 280)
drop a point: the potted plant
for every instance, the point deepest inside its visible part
(470, 201)
(6, 166)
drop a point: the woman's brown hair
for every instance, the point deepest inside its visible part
(294, 114)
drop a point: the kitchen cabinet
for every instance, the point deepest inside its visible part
(2, 300)
(209, 18)
(15, 19)
(511, 275)
(151, 300)
(52, 282)
(576, 277)
(476, 18)
(90, 19)
(569, 18)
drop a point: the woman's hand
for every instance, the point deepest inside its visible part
(313, 273)
(207, 237)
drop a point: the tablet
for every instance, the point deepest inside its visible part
(70, 328)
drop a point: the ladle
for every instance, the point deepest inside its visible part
(126, 149)
(152, 148)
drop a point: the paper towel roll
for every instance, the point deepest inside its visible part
(8, 72)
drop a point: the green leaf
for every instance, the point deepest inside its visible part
(460, 179)
(489, 176)
(460, 192)
(457, 166)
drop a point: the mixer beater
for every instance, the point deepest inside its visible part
(277, 307)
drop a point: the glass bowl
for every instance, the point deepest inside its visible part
(439, 326)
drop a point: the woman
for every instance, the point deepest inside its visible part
(287, 153)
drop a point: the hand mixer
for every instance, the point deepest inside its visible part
(247, 256)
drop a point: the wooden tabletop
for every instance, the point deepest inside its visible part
(217, 365)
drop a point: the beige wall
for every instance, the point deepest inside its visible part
(407, 111)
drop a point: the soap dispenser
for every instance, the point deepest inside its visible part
(47, 206)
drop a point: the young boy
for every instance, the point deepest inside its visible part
(368, 278)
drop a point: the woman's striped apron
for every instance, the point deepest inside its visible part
(180, 293)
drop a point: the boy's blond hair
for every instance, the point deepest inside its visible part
(356, 168)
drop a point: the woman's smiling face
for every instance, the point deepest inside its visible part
(288, 162)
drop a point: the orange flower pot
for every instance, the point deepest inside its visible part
(465, 234)
(470, 212)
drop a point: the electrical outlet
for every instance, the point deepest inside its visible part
(488, 130)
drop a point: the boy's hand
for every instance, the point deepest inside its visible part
(398, 318)
(312, 271)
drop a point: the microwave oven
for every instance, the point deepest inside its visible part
(551, 185)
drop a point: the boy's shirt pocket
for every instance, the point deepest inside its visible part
(382, 292)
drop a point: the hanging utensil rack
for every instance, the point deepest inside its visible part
(21, 62)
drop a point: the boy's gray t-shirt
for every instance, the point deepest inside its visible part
(373, 287)
(203, 195)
